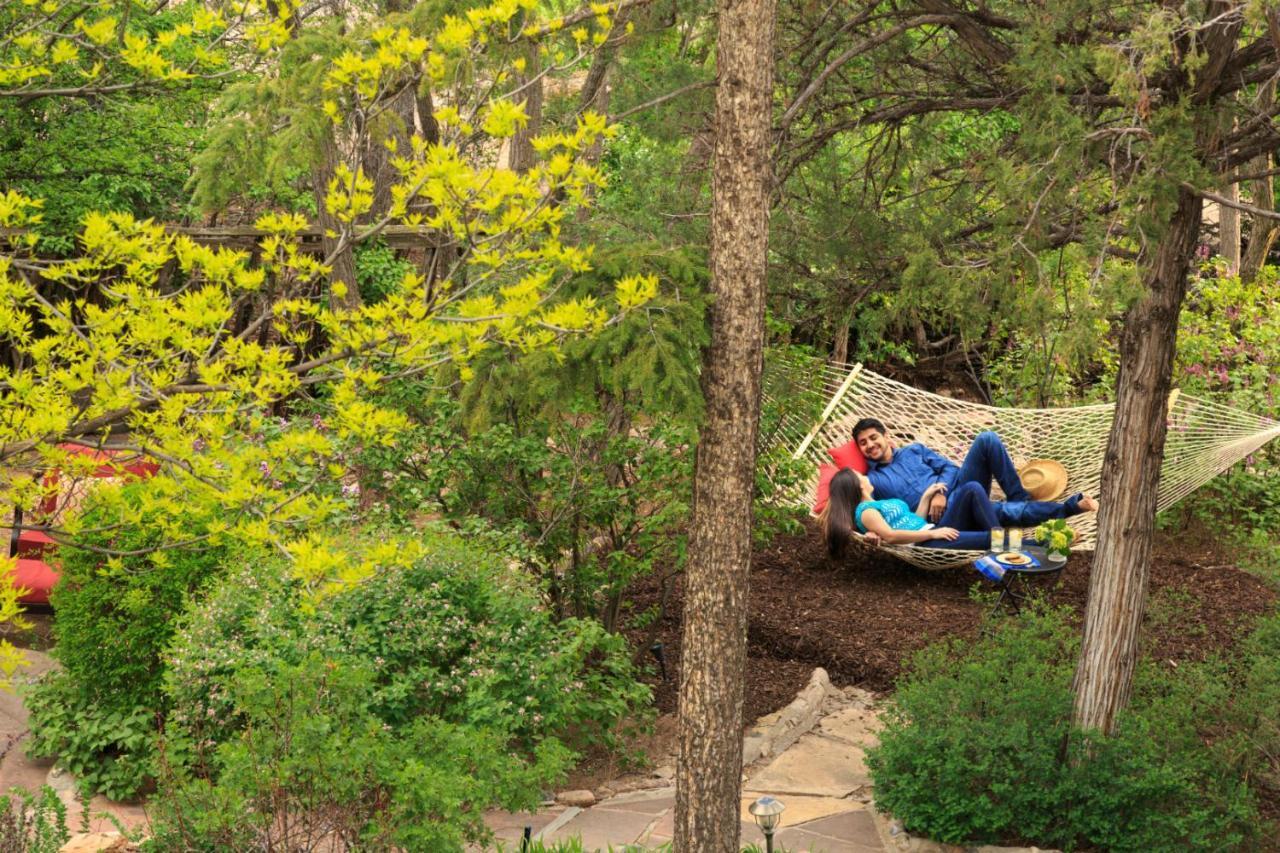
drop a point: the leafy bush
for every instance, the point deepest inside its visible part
(979, 747)
(446, 655)
(379, 271)
(312, 761)
(96, 714)
(34, 823)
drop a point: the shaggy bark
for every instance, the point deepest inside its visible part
(713, 655)
(1130, 479)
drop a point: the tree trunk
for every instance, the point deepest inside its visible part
(840, 349)
(714, 644)
(521, 156)
(1229, 229)
(1131, 475)
(1262, 230)
(343, 266)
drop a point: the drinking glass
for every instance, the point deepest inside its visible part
(997, 539)
(1015, 538)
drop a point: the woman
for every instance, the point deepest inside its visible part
(965, 525)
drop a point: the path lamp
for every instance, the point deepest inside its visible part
(767, 811)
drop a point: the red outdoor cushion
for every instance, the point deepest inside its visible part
(34, 543)
(825, 473)
(849, 456)
(35, 576)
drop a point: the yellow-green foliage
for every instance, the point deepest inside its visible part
(139, 335)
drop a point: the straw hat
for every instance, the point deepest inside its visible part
(1045, 479)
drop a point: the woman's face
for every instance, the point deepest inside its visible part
(867, 488)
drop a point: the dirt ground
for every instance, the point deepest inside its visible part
(860, 619)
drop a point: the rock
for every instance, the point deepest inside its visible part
(97, 842)
(604, 792)
(581, 799)
(666, 771)
(754, 747)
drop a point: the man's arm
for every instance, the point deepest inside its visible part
(940, 465)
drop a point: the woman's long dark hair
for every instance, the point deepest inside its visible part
(837, 519)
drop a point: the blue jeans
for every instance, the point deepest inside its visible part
(987, 460)
(970, 511)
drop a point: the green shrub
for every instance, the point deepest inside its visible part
(314, 762)
(95, 714)
(33, 823)
(979, 748)
(447, 661)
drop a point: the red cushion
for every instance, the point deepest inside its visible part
(849, 456)
(33, 543)
(35, 576)
(825, 473)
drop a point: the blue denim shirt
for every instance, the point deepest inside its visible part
(914, 468)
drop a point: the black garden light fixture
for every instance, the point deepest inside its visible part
(767, 812)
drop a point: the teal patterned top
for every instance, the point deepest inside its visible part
(895, 512)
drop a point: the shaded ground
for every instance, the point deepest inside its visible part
(861, 618)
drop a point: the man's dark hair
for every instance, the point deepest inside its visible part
(866, 424)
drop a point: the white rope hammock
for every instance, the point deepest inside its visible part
(1204, 438)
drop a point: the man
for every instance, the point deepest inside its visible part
(906, 472)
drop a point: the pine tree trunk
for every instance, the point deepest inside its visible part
(1131, 475)
(714, 645)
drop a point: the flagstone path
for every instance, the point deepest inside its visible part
(809, 756)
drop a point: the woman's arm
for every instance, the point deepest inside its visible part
(875, 523)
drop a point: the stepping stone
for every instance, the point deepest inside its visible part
(599, 828)
(801, 809)
(855, 725)
(851, 832)
(815, 766)
(508, 827)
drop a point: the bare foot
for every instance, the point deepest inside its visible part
(1088, 503)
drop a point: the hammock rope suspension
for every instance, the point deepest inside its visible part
(1204, 438)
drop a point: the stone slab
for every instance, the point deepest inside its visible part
(599, 828)
(652, 806)
(815, 766)
(666, 793)
(857, 827)
(800, 809)
(797, 840)
(509, 826)
(856, 725)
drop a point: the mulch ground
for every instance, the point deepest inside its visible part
(860, 619)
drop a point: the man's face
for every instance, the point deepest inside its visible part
(874, 445)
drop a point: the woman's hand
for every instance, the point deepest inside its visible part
(872, 538)
(948, 533)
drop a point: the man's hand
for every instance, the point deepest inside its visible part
(937, 495)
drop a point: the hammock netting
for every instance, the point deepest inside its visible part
(824, 401)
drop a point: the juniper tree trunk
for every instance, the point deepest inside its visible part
(714, 644)
(1229, 229)
(1130, 478)
(1263, 231)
